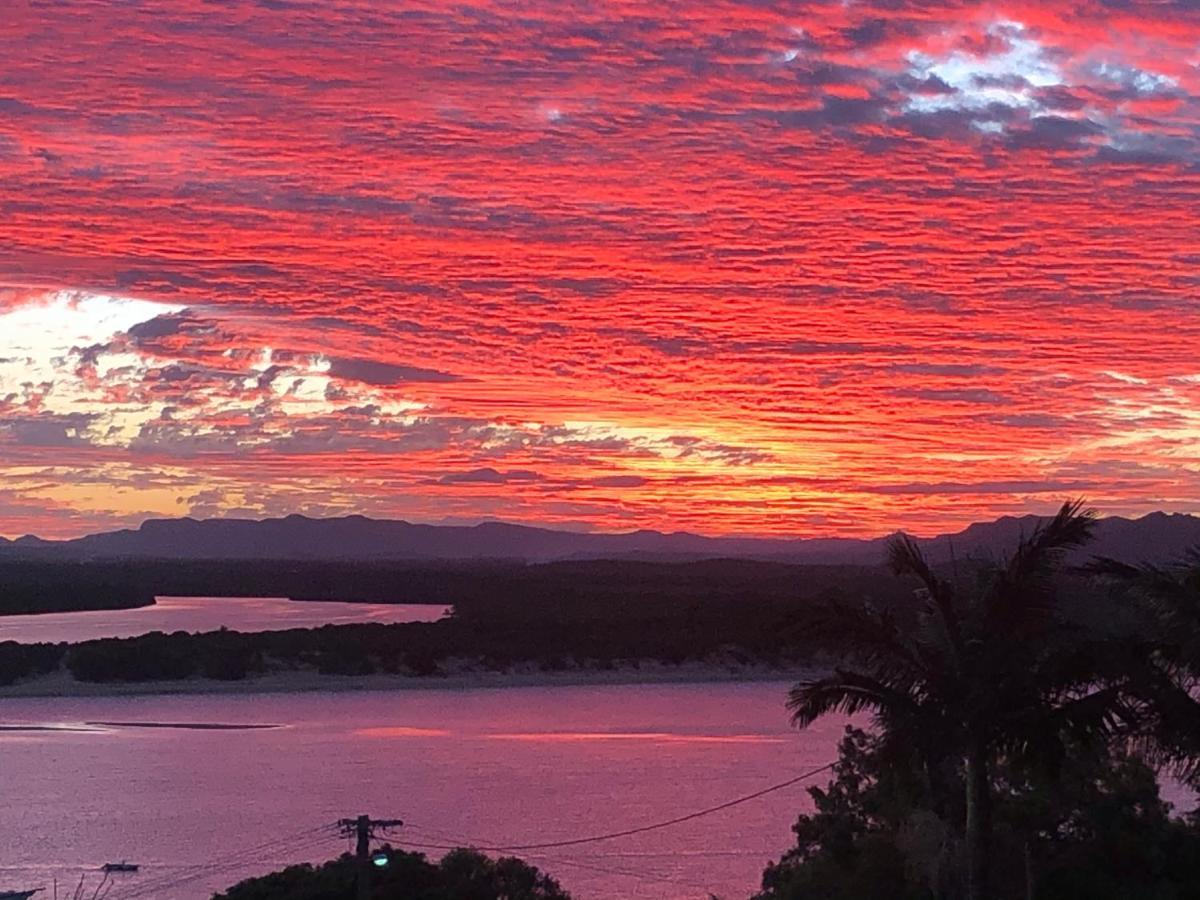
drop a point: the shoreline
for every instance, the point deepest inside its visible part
(62, 685)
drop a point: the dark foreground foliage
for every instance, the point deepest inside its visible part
(1005, 712)
(1098, 832)
(461, 875)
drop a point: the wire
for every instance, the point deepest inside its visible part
(203, 870)
(678, 820)
(238, 859)
(294, 843)
(565, 861)
(630, 873)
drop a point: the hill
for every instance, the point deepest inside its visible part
(1158, 537)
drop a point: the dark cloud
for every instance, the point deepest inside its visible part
(162, 326)
(488, 475)
(951, 488)
(981, 396)
(619, 481)
(384, 374)
(47, 429)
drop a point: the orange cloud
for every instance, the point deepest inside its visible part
(734, 267)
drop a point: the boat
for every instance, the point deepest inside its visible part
(18, 895)
(116, 867)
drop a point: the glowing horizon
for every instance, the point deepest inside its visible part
(816, 269)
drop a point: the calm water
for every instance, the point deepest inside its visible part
(499, 766)
(207, 614)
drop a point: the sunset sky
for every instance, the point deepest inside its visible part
(751, 267)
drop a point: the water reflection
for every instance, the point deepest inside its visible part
(197, 614)
(485, 766)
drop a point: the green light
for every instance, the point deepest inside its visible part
(380, 860)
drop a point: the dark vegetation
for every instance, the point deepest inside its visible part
(1098, 831)
(53, 586)
(550, 617)
(600, 588)
(1020, 719)
(460, 875)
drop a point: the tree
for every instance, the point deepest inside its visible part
(848, 848)
(461, 875)
(1159, 667)
(1103, 834)
(983, 675)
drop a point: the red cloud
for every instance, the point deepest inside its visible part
(724, 267)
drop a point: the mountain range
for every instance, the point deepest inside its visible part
(1157, 537)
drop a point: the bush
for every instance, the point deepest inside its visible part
(150, 657)
(1097, 832)
(461, 875)
(19, 661)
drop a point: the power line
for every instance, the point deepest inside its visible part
(570, 863)
(168, 882)
(292, 843)
(312, 837)
(627, 872)
(203, 870)
(678, 820)
(462, 841)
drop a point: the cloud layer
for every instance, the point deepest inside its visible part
(735, 267)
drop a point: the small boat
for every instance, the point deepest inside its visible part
(116, 867)
(18, 895)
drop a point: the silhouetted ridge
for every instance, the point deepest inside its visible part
(1158, 537)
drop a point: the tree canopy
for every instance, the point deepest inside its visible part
(1098, 831)
(460, 875)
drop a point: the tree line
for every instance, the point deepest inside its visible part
(555, 617)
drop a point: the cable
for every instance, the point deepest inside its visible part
(204, 870)
(629, 873)
(294, 843)
(642, 829)
(300, 841)
(566, 861)
(237, 859)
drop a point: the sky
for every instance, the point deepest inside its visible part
(805, 268)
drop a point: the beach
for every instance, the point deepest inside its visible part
(61, 684)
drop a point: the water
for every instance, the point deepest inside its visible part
(197, 614)
(485, 766)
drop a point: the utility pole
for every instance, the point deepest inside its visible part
(363, 829)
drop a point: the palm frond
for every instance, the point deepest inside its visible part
(849, 693)
(906, 558)
(1166, 729)
(1149, 578)
(1072, 527)
(1168, 595)
(1020, 596)
(1039, 738)
(867, 636)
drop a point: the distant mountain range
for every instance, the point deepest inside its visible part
(1158, 537)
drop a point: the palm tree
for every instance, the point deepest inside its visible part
(1161, 667)
(996, 673)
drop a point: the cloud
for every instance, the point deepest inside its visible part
(383, 374)
(46, 430)
(763, 258)
(619, 481)
(981, 396)
(488, 475)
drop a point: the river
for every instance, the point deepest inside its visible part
(485, 766)
(197, 614)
